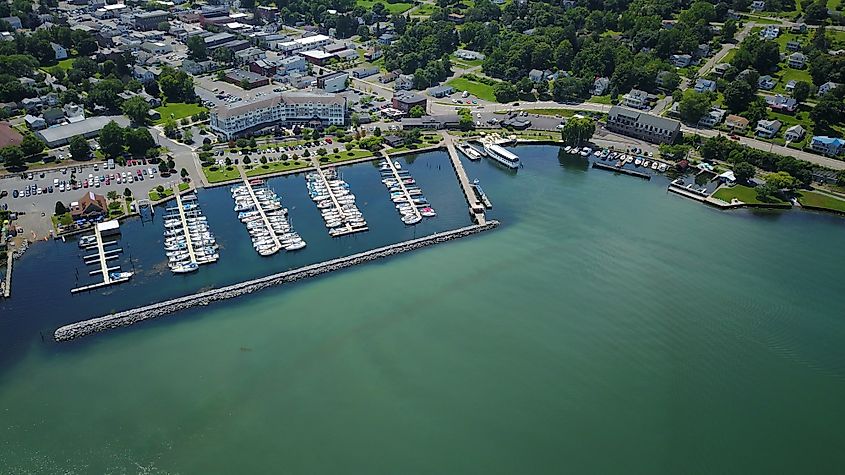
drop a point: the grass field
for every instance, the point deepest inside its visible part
(155, 195)
(553, 112)
(746, 194)
(819, 200)
(178, 110)
(477, 89)
(601, 100)
(343, 156)
(215, 174)
(277, 167)
(392, 8)
(425, 9)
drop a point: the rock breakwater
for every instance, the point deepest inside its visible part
(139, 314)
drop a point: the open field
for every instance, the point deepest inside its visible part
(820, 200)
(392, 8)
(216, 174)
(178, 110)
(276, 167)
(477, 89)
(743, 193)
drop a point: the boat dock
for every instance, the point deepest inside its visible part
(347, 228)
(101, 257)
(7, 284)
(276, 243)
(409, 199)
(625, 171)
(188, 243)
(476, 208)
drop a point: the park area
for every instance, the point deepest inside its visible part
(178, 110)
(747, 195)
(477, 89)
(822, 201)
(391, 8)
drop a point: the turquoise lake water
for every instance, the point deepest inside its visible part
(606, 327)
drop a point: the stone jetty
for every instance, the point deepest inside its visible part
(130, 317)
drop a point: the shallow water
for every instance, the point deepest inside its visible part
(607, 326)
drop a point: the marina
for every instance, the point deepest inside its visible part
(476, 208)
(188, 241)
(335, 202)
(469, 151)
(111, 275)
(261, 211)
(404, 192)
(620, 169)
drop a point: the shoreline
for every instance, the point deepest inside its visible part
(130, 317)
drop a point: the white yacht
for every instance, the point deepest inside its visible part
(501, 155)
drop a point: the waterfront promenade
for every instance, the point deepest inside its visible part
(476, 208)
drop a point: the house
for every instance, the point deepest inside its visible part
(766, 82)
(705, 85)
(365, 72)
(796, 60)
(827, 145)
(794, 134)
(387, 77)
(757, 6)
(53, 116)
(91, 205)
(793, 45)
(600, 85)
(405, 101)
(781, 103)
(636, 99)
(535, 75)
(248, 55)
(703, 50)
(59, 51)
(767, 129)
(680, 60)
(440, 91)
(143, 74)
(641, 125)
(799, 28)
(736, 123)
(31, 103)
(827, 87)
(770, 32)
(404, 82)
(34, 123)
(373, 54)
(13, 21)
(74, 112)
(456, 18)
(790, 86)
(712, 118)
(394, 140)
(469, 55)
(9, 136)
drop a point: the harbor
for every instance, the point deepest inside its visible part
(404, 191)
(336, 203)
(476, 207)
(110, 275)
(188, 240)
(261, 211)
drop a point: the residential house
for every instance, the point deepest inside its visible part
(535, 75)
(59, 51)
(703, 50)
(781, 103)
(799, 28)
(440, 91)
(74, 113)
(600, 85)
(705, 85)
(636, 99)
(770, 32)
(53, 116)
(766, 82)
(387, 77)
(767, 129)
(248, 55)
(794, 134)
(13, 21)
(712, 118)
(680, 60)
(34, 122)
(469, 55)
(642, 125)
(143, 74)
(793, 45)
(404, 82)
(796, 60)
(736, 123)
(790, 86)
(757, 6)
(827, 87)
(827, 145)
(31, 104)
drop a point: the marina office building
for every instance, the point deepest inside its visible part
(285, 108)
(642, 125)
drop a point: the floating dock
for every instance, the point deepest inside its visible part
(102, 257)
(476, 208)
(347, 227)
(625, 171)
(188, 242)
(7, 285)
(276, 243)
(401, 183)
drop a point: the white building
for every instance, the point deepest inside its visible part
(636, 99)
(333, 82)
(59, 51)
(767, 128)
(286, 108)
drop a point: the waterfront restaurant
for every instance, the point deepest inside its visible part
(91, 205)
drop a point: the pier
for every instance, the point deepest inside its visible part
(136, 315)
(625, 171)
(347, 227)
(401, 183)
(188, 243)
(102, 257)
(276, 243)
(7, 285)
(476, 208)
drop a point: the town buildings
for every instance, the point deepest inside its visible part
(643, 126)
(286, 108)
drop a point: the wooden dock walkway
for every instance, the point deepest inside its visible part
(347, 228)
(7, 286)
(102, 258)
(625, 171)
(401, 183)
(276, 243)
(476, 208)
(188, 242)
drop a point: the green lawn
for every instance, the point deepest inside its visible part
(553, 112)
(477, 89)
(466, 63)
(601, 100)
(178, 110)
(345, 155)
(155, 195)
(729, 56)
(215, 174)
(743, 193)
(392, 8)
(276, 167)
(425, 9)
(788, 74)
(819, 200)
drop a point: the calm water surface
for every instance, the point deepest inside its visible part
(606, 327)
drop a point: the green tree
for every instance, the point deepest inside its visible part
(112, 195)
(79, 148)
(744, 171)
(505, 92)
(112, 140)
(170, 127)
(578, 130)
(781, 180)
(416, 112)
(693, 106)
(31, 145)
(12, 156)
(137, 109)
(183, 173)
(801, 91)
(188, 136)
(60, 208)
(197, 49)
(737, 96)
(139, 141)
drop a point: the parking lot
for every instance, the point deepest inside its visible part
(38, 202)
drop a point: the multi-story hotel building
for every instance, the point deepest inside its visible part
(285, 108)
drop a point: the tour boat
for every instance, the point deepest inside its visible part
(501, 155)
